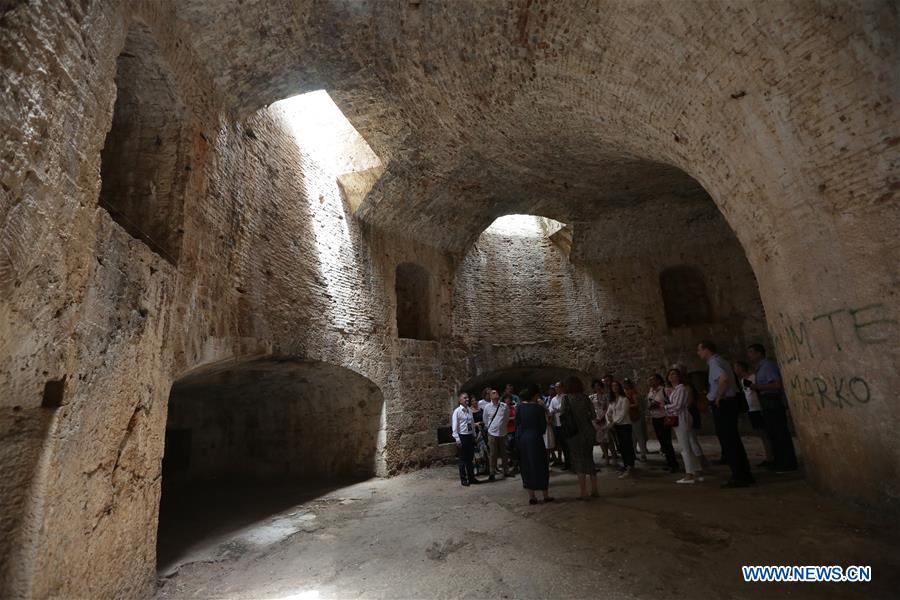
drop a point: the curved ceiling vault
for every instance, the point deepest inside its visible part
(480, 109)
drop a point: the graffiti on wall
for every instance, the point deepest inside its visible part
(824, 334)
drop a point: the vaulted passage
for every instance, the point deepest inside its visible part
(522, 376)
(380, 205)
(248, 440)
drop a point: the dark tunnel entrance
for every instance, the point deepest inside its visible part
(521, 377)
(250, 440)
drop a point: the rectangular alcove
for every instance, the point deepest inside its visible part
(54, 391)
(144, 162)
(413, 292)
(445, 435)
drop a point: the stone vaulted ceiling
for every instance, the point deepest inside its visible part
(483, 108)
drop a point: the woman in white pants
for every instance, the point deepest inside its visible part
(692, 433)
(677, 407)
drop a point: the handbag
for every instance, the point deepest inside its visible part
(567, 420)
(670, 420)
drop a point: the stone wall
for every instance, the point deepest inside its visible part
(600, 309)
(788, 138)
(269, 265)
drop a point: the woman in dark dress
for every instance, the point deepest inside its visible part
(531, 422)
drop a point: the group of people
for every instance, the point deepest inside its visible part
(485, 431)
(528, 431)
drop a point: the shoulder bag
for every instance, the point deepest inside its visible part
(488, 428)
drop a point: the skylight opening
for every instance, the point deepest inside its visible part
(322, 130)
(323, 133)
(524, 226)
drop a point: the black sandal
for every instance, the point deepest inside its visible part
(532, 501)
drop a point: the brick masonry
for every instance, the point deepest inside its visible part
(616, 117)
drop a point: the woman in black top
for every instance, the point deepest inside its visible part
(531, 422)
(477, 412)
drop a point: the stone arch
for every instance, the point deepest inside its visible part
(599, 293)
(533, 374)
(145, 162)
(273, 423)
(685, 297)
(414, 297)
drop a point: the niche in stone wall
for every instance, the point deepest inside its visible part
(54, 390)
(684, 296)
(144, 162)
(412, 285)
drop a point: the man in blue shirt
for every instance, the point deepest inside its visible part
(715, 369)
(727, 403)
(770, 390)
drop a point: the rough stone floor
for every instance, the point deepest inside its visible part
(422, 535)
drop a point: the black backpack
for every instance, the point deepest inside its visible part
(567, 419)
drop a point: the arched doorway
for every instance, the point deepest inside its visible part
(522, 376)
(248, 440)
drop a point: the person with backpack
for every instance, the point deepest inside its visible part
(577, 421)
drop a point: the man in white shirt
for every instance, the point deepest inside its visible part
(496, 416)
(554, 409)
(746, 379)
(463, 426)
